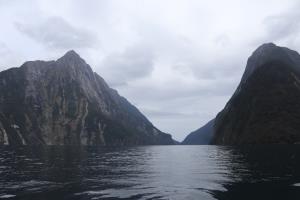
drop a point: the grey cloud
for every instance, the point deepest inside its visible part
(282, 26)
(134, 63)
(219, 68)
(187, 57)
(165, 114)
(4, 53)
(55, 32)
(8, 57)
(3, 49)
(171, 91)
(222, 40)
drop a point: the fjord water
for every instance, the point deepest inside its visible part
(150, 172)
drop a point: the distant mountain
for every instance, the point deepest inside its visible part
(265, 108)
(64, 102)
(202, 135)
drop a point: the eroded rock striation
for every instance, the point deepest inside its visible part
(64, 102)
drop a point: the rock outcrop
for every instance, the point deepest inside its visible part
(64, 102)
(265, 108)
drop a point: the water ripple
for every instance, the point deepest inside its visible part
(150, 172)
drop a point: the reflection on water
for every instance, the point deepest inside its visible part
(151, 172)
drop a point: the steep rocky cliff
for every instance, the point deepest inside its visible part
(201, 136)
(265, 108)
(64, 102)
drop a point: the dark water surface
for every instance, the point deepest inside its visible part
(151, 172)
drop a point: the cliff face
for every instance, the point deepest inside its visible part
(201, 136)
(265, 108)
(64, 102)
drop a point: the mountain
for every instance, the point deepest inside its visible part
(202, 135)
(265, 108)
(64, 102)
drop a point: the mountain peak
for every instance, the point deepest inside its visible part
(68, 104)
(73, 60)
(265, 48)
(264, 109)
(71, 55)
(269, 52)
(267, 45)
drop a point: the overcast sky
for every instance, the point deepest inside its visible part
(178, 61)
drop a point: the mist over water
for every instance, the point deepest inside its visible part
(150, 172)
